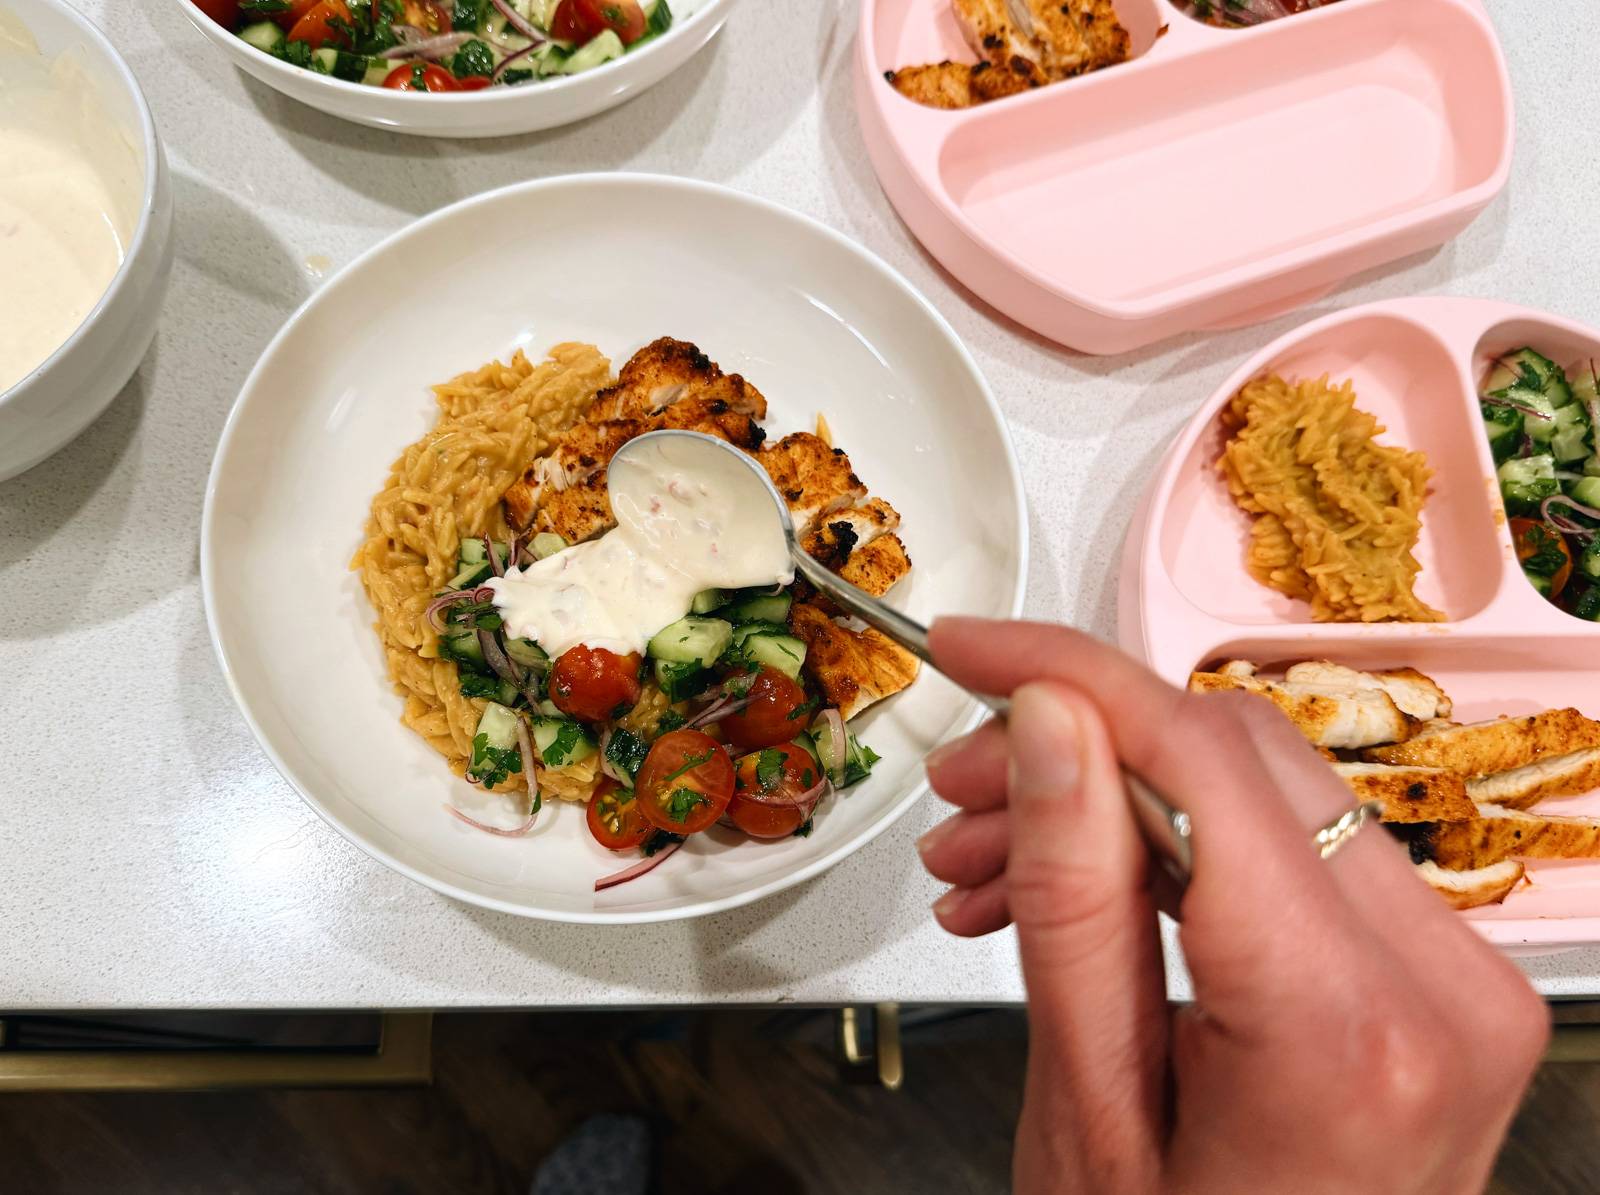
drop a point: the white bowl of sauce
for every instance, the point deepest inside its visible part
(85, 228)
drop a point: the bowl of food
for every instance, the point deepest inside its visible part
(86, 210)
(1385, 523)
(447, 636)
(459, 68)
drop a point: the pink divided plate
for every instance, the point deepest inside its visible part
(1219, 177)
(1185, 598)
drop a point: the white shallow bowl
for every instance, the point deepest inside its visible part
(71, 387)
(495, 111)
(815, 322)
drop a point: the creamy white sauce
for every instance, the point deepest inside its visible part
(690, 516)
(70, 185)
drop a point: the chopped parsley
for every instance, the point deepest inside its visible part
(683, 802)
(690, 763)
(263, 7)
(804, 708)
(492, 765)
(563, 745)
(804, 829)
(1546, 552)
(473, 58)
(858, 763)
(627, 750)
(478, 684)
(769, 769)
(659, 840)
(670, 720)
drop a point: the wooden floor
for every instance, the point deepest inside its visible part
(739, 1102)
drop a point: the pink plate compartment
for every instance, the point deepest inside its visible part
(1218, 177)
(1185, 599)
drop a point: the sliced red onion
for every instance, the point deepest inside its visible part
(1517, 406)
(517, 21)
(513, 832)
(642, 867)
(719, 709)
(811, 796)
(1562, 499)
(838, 745)
(494, 557)
(506, 64)
(495, 656)
(416, 43)
(438, 605)
(535, 800)
(606, 766)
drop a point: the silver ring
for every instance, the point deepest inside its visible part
(1331, 839)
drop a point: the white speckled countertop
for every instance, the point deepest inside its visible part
(149, 854)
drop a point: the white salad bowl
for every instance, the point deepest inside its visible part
(494, 111)
(817, 323)
(70, 388)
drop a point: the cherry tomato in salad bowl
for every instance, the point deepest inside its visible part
(686, 782)
(427, 15)
(615, 818)
(580, 20)
(594, 685)
(1535, 538)
(291, 16)
(775, 791)
(472, 82)
(774, 712)
(323, 24)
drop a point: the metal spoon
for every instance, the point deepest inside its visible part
(1166, 829)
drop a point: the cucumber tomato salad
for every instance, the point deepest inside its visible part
(714, 724)
(1541, 421)
(443, 45)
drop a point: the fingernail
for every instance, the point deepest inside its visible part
(934, 836)
(950, 902)
(1044, 738)
(940, 755)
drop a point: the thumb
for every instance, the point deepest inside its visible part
(1077, 880)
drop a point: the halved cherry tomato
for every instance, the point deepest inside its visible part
(686, 782)
(419, 76)
(1533, 536)
(770, 716)
(223, 12)
(319, 26)
(767, 785)
(472, 82)
(290, 17)
(615, 819)
(427, 15)
(564, 25)
(623, 17)
(589, 683)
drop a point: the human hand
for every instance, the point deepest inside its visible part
(1349, 1032)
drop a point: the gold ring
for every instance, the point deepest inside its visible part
(1332, 838)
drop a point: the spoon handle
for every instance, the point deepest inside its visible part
(1166, 829)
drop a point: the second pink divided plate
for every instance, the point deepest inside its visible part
(1219, 177)
(1185, 598)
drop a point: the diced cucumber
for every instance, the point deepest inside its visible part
(1588, 604)
(561, 742)
(681, 681)
(745, 630)
(708, 600)
(547, 543)
(461, 645)
(1503, 437)
(264, 36)
(526, 652)
(1524, 367)
(472, 563)
(1589, 562)
(1527, 481)
(1541, 428)
(762, 607)
(378, 69)
(1571, 441)
(692, 640)
(508, 693)
(858, 759)
(1541, 583)
(549, 709)
(495, 751)
(1586, 491)
(805, 739)
(601, 48)
(659, 18)
(786, 653)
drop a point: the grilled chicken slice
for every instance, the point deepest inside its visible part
(815, 480)
(654, 378)
(938, 85)
(1417, 695)
(1327, 716)
(1498, 745)
(1410, 794)
(1102, 32)
(878, 567)
(577, 514)
(998, 30)
(1496, 834)
(1471, 889)
(852, 668)
(1064, 51)
(833, 538)
(1561, 776)
(1012, 76)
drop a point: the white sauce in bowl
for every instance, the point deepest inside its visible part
(690, 516)
(70, 185)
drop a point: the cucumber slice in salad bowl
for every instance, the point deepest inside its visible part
(818, 325)
(459, 68)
